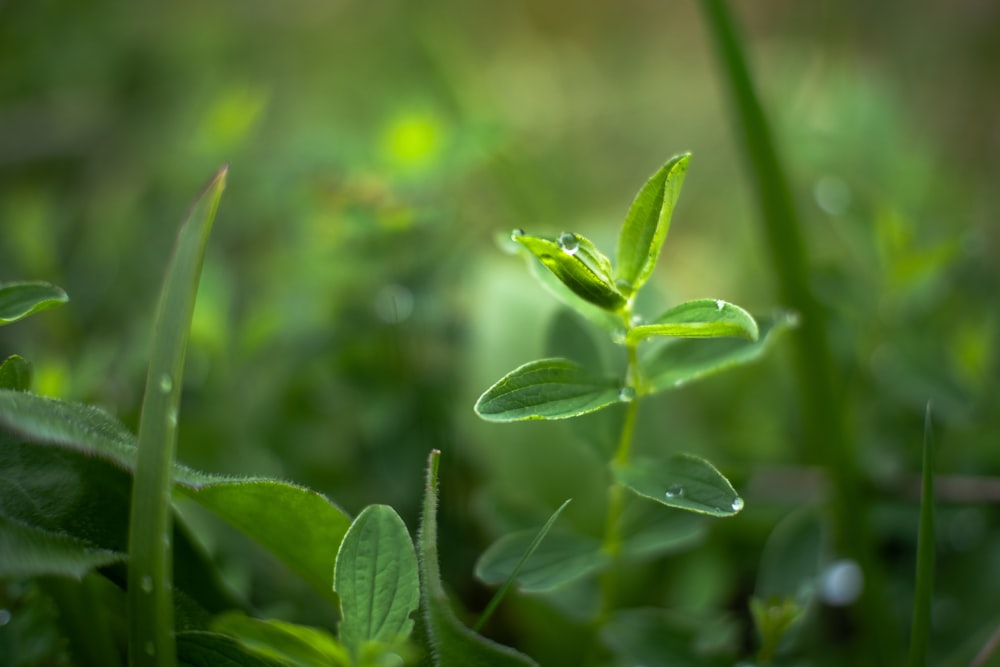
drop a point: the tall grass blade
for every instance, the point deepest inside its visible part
(150, 590)
(923, 594)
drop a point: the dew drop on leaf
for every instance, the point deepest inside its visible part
(166, 383)
(568, 242)
(675, 491)
(517, 232)
(146, 584)
(719, 303)
(627, 394)
(737, 504)
(619, 336)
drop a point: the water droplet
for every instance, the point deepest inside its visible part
(737, 504)
(518, 232)
(569, 243)
(150, 648)
(166, 383)
(842, 583)
(679, 382)
(635, 320)
(5, 617)
(172, 418)
(146, 584)
(627, 394)
(675, 491)
(719, 303)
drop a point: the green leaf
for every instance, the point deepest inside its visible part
(647, 223)
(452, 644)
(20, 299)
(604, 319)
(680, 361)
(923, 597)
(29, 551)
(377, 580)
(703, 318)
(547, 389)
(561, 559)
(568, 337)
(301, 527)
(210, 649)
(150, 595)
(15, 373)
(649, 531)
(577, 262)
(292, 644)
(683, 481)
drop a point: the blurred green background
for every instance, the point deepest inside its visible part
(356, 301)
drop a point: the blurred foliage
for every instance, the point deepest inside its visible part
(354, 302)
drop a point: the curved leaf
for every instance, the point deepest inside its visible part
(647, 223)
(197, 648)
(683, 481)
(547, 389)
(20, 299)
(15, 373)
(683, 360)
(702, 318)
(30, 551)
(301, 527)
(452, 644)
(377, 580)
(296, 645)
(579, 265)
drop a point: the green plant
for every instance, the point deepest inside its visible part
(67, 472)
(562, 388)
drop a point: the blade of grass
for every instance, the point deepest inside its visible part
(823, 406)
(499, 595)
(921, 627)
(150, 591)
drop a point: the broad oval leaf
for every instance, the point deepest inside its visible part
(682, 360)
(15, 373)
(647, 223)
(579, 265)
(701, 318)
(20, 299)
(547, 389)
(377, 580)
(683, 481)
(559, 560)
(452, 643)
(301, 527)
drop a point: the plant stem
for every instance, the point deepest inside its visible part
(823, 407)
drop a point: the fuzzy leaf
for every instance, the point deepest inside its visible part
(20, 299)
(377, 580)
(29, 551)
(647, 223)
(681, 360)
(683, 481)
(579, 265)
(547, 389)
(702, 318)
(452, 644)
(15, 373)
(298, 525)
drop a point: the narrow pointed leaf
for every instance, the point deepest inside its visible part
(924, 589)
(297, 645)
(647, 223)
(579, 265)
(150, 597)
(559, 560)
(547, 389)
(20, 299)
(452, 643)
(683, 481)
(15, 373)
(301, 527)
(681, 361)
(703, 318)
(377, 581)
